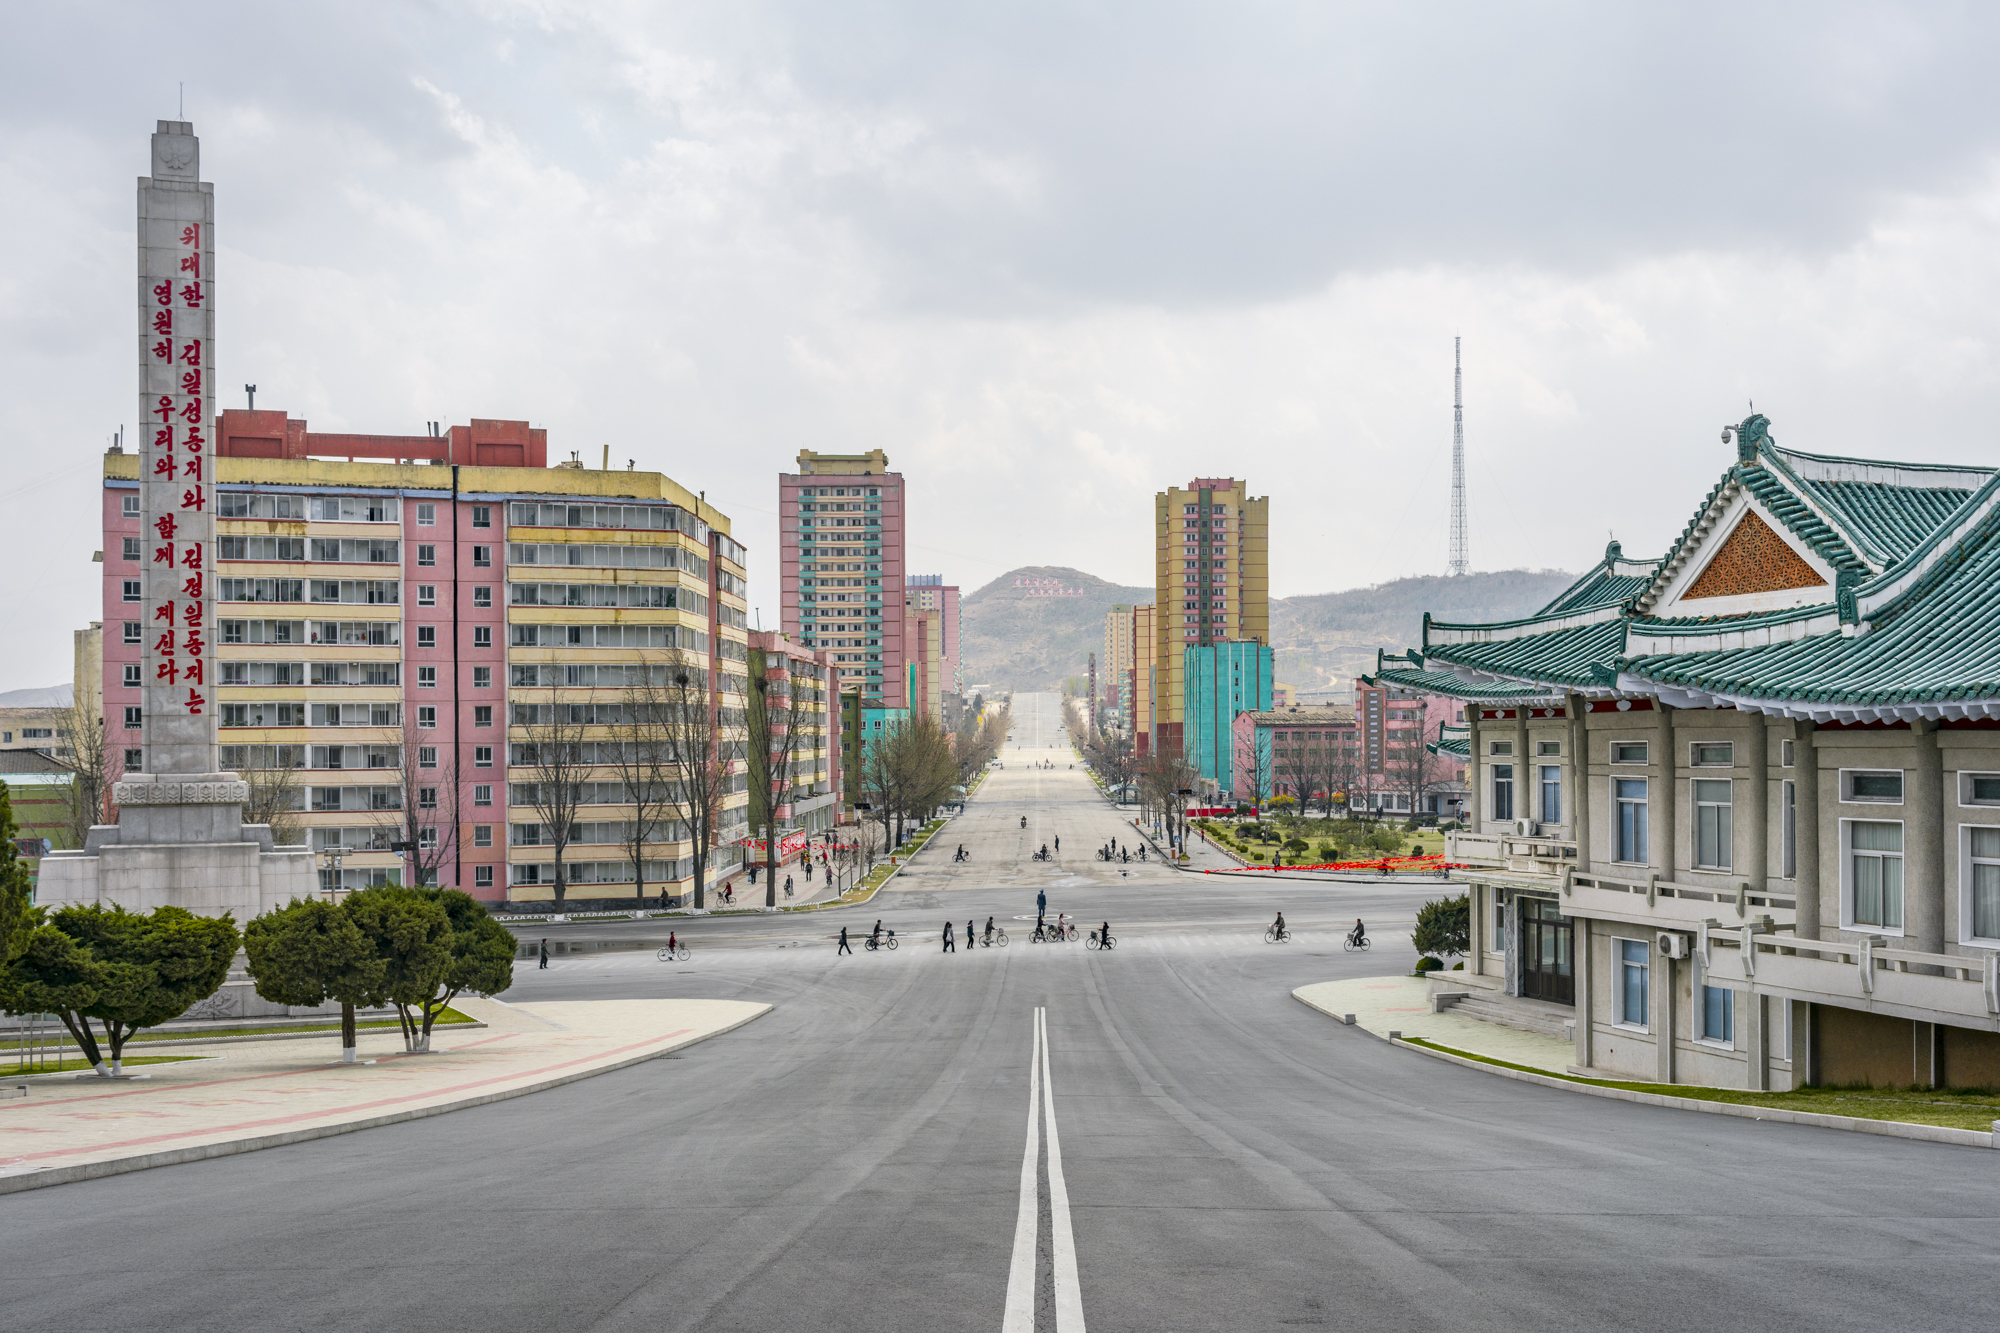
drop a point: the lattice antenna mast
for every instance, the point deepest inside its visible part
(1459, 563)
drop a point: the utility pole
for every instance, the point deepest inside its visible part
(1459, 563)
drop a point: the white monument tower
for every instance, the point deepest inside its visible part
(180, 836)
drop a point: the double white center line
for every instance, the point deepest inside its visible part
(1021, 1283)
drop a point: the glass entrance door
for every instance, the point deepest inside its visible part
(1547, 972)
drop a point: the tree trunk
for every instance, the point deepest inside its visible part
(348, 1041)
(770, 857)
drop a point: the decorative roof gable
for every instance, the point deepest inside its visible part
(1752, 559)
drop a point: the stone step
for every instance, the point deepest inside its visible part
(1509, 1013)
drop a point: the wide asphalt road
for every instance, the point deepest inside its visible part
(865, 1157)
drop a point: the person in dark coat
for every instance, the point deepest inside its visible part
(843, 943)
(949, 947)
(545, 953)
(968, 936)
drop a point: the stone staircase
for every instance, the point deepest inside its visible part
(1508, 1011)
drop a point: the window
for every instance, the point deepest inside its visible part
(1552, 793)
(1545, 749)
(1630, 797)
(482, 835)
(482, 678)
(133, 717)
(1788, 830)
(427, 636)
(134, 760)
(133, 592)
(482, 715)
(482, 877)
(1979, 788)
(131, 549)
(427, 716)
(1503, 791)
(427, 555)
(1500, 747)
(427, 594)
(1875, 867)
(482, 557)
(1711, 824)
(129, 506)
(427, 798)
(483, 793)
(1499, 924)
(427, 839)
(1984, 874)
(482, 516)
(482, 756)
(132, 675)
(427, 516)
(482, 595)
(1628, 752)
(132, 631)
(1634, 962)
(1718, 1014)
(1885, 787)
(1713, 754)
(482, 636)
(427, 678)
(1787, 753)
(427, 756)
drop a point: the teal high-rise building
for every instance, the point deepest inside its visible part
(1223, 679)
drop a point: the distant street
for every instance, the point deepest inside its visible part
(1222, 1157)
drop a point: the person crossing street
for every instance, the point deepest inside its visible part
(949, 947)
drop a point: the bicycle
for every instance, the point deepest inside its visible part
(1272, 935)
(1351, 942)
(1108, 942)
(678, 953)
(996, 940)
(888, 941)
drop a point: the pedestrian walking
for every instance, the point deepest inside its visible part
(545, 953)
(949, 947)
(788, 886)
(753, 876)
(968, 935)
(1058, 843)
(843, 943)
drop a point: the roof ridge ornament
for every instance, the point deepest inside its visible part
(1753, 432)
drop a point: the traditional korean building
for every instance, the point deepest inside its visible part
(1737, 809)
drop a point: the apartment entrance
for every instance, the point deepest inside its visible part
(1548, 971)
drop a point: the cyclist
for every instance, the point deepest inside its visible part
(989, 930)
(1142, 851)
(1359, 933)
(672, 943)
(1280, 926)
(1041, 931)
(876, 934)
(1062, 925)
(1103, 935)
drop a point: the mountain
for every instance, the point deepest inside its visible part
(1017, 640)
(1326, 639)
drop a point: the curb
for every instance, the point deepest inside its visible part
(63, 1175)
(1894, 1129)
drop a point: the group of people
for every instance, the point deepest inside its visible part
(970, 938)
(1112, 851)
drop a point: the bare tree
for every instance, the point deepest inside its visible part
(696, 757)
(777, 724)
(1408, 766)
(84, 747)
(1253, 761)
(555, 752)
(1296, 769)
(1333, 773)
(640, 759)
(425, 824)
(277, 792)
(1168, 779)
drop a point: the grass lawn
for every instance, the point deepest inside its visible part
(447, 1016)
(81, 1065)
(1974, 1109)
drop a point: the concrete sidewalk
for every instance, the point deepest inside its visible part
(1401, 1004)
(280, 1092)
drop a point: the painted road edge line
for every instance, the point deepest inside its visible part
(1893, 1129)
(1069, 1294)
(63, 1175)
(1019, 1316)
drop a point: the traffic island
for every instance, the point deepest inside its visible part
(288, 1091)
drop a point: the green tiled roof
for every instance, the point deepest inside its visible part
(1578, 655)
(1936, 643)
(1797, 515)
(1612, 581)
(1450, 686)
(1892, 520)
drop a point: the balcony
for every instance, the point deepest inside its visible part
(1519, 854)
(1648, 900)
(1959, 989)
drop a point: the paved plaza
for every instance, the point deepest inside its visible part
(1155, 1138)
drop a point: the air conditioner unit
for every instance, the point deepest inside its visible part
(1524, 828)
(1673, 944)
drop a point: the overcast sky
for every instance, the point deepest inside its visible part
(1052, 258)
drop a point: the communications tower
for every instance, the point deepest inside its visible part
(1459, 563)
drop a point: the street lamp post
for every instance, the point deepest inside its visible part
(331, 857)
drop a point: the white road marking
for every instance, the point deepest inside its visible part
(1069, 1295)
(1020, 1315)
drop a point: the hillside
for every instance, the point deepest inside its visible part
(1018, 641)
